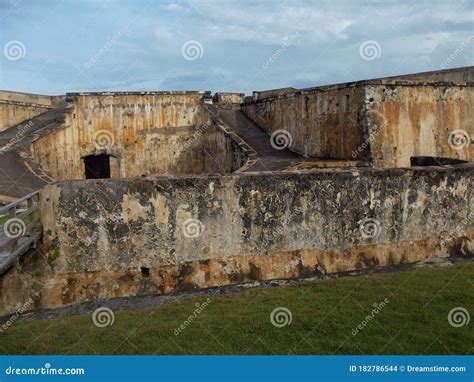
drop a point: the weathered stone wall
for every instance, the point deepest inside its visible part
(262, 94)
(419, 120)
(322, 123)
(227, 100)
(16, 107)
(386, 121)
(113, 238)
(146, 133)
(458, 76)
(29, 98)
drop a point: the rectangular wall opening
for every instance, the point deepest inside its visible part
(97, 166)
(434, 161)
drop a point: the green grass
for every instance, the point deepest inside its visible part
(27, 219)
(324, 313)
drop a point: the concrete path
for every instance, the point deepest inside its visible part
(269, 158)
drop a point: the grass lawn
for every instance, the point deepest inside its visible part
(4, 219)
(324, 316)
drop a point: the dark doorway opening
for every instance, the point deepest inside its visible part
(97, 166)
(434, 161)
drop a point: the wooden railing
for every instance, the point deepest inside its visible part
(20, 229)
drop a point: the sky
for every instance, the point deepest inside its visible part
(54, 47)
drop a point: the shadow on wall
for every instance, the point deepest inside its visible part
(433, 161)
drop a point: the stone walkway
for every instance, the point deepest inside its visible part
(19, 173)
(268, 157)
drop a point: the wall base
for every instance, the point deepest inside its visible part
(34, 282)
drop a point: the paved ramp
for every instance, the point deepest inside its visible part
(20, 175)
(268, 157)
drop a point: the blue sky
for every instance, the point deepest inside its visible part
(53, 47)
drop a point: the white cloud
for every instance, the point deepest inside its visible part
(172, 7)
(237, 38)
(272, 23)
(164, 33)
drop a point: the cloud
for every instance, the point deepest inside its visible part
(237, 39)
(164, 33)
(272, 23)
(172, 7)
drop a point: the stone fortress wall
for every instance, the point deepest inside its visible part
(145, 133)
(173, 218)
(387, 121)
(17, 107)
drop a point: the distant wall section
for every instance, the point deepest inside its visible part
(385, 121)
(144, 133)
(410, 120)
(322, 123)
(16, 108)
